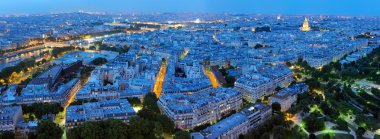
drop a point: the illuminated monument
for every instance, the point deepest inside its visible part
(305, 26)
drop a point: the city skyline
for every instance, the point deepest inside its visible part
(288, 7)
(189, 69)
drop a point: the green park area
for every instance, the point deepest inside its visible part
(337, 100)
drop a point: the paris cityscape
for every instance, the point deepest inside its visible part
(187, 74)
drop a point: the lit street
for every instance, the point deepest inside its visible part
(157, 89)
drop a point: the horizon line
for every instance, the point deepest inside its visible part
(152, 13)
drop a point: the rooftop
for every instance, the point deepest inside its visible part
(181, 103)
(102, 109)
(8, 112)
(223, 126)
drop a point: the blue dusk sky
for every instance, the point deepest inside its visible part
(285, 7)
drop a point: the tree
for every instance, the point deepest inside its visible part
(7, 135)
(92, 47)
(257, 46)
(110, 128)
(32, 135)
(147, 114)
(280, 132)
(101, 46)
(74, 133)
(115, 129)
(288, 64)
(276, 106)
(326, 69)
(266, 135)
(230, 81)
(182, 135)
(48, 130)
(99, 61)
(312, 136)
(314, 123)
(44, 60)
(136, 123)
(147, 125)
(258, 100)
(342, 125)
(150, 102)
(150, 114)
(360, 132)
(223, 71)
(375, 92)
(85, 74)
(59, 50)
(313, 83)
(158, 129)
(93, 130)
(124, 49)
(40, 109)
(78, 102)
(327, 136)
(241, 136)
(167, 124)
(337, 66)
(278, 119)
(135, 102)
(22, 66)
(326, 108)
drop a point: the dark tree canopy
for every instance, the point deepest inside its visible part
(314, 123)
(360, 132)
(98, 130)
(150, 102)
(135, 102)
(99, 61)
(40, 109)
(182, 135)
(48, 130)
(7, 135)
(59, 50)
(312, 136)
(276, 106)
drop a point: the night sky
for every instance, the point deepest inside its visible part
(285, 7)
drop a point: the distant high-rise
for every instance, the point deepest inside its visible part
(305, 26)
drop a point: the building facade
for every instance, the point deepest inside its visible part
(236, 124)
(256, 84)
(9, 116)
(189, 111)
(108, 109)
(286, 97)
